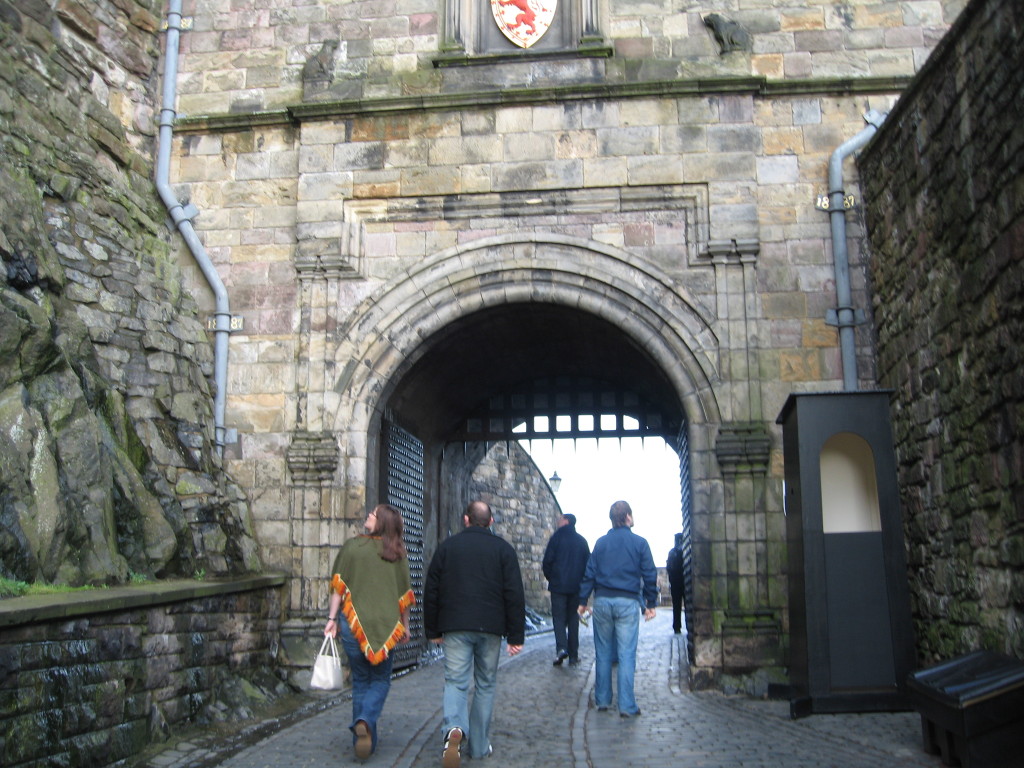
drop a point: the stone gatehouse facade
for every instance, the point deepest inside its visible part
(411, 213)
(414, 217)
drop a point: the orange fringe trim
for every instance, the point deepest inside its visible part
(348, 609)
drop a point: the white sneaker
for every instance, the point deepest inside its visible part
(452, 756)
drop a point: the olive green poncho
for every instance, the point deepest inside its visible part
(373, 593)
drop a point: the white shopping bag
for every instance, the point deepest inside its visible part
(327, 667)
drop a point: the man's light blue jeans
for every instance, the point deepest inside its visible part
(616, 628)
(470, 655)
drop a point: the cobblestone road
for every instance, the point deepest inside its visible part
(543, 717)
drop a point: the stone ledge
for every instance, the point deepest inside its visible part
(463, 59)
(35, 608)
(679, 88)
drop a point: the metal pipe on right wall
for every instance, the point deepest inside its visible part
(845, 316)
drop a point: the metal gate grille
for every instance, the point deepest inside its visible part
(683, 449)
(403, 489)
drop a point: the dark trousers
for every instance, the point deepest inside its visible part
(677, 608)
(566, 623)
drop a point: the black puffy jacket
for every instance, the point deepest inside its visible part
(474, 584)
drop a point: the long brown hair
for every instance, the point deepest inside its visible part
(389, 528)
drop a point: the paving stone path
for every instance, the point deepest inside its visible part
(543, 716)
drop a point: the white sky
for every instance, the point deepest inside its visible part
(594, 476)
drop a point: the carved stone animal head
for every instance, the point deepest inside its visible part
(729, 34)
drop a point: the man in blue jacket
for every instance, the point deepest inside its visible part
(565, 560)
(623, 579)
(472, 597)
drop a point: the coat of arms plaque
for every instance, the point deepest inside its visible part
(523, 22)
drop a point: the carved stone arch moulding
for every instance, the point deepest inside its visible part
(387, 331)
(369, 227)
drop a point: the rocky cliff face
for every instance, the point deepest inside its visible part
(106, 459)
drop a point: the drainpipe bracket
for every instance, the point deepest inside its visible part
(875, 118)
(184, 24)
(832, 317)
(180, 214)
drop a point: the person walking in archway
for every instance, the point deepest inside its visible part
(622, 577)
(674, 568)
(565, 560)
(371, 594)
(472, 597)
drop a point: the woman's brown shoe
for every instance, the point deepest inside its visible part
(364, 742)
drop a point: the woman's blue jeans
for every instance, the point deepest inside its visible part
(470, 656)
(370, 683)
(616, 629)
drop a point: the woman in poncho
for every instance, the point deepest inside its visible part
(371, 594)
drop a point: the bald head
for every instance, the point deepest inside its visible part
(478, 513)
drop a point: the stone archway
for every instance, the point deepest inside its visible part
(360, 365)
(394, 330)
(386, 334)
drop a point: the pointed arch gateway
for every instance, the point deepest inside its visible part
(419, 353)
(386, 335)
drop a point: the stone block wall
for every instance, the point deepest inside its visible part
(90, 678)
(105, 407)
(245, 56)
(525, 513)
(361, 185)
(944, 190)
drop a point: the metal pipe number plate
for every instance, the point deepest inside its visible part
(822, 202)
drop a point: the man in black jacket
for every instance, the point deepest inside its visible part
(676, 582)
(565, 560)
(473, 596)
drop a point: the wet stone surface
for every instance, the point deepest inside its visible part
(543, 717)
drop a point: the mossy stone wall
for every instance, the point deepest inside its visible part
(944, 195)
(106, 426)
(90, 678)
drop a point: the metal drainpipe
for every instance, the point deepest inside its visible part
(182, 219)
(844, 315)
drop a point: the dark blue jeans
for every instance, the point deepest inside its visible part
(566, 623)
(370, 683)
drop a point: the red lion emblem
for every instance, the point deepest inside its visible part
(524, 19)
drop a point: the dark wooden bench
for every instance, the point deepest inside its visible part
(972, 710)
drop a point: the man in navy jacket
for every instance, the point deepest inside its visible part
(472, 597)
(623, 579)
(565, 559)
